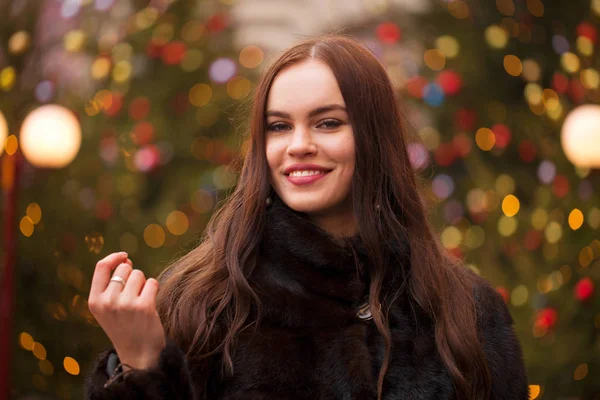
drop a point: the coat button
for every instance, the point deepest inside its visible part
(364, 312)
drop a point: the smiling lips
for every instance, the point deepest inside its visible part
(305, 167)
(306, 177)
(305, 174)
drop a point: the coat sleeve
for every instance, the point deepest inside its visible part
(170, 379)
(500, 345)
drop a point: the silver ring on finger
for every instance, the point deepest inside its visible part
(118, 279)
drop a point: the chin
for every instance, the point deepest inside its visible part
(309, 205)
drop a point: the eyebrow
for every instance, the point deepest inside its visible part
(312, 113)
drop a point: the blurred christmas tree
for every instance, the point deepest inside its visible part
(488, 87)
(154, 85)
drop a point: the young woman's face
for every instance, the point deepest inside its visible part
(307, 123)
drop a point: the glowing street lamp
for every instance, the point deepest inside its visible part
(3, 132)
(50, 136)
(580, 136)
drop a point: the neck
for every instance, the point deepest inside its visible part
(336, 225)
(339, 221)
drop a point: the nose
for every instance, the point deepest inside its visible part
(301, 142)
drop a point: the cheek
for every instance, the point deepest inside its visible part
(352, 156)
(343, 153)
(346, 154)
(272, 154)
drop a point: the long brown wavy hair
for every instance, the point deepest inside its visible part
(205, 299)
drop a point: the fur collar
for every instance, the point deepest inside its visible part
(309, 277)
(305, 279)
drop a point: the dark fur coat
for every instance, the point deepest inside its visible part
(310, 343)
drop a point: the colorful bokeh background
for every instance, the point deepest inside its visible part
(120, 122)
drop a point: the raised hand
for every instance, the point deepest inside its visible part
(125, 308)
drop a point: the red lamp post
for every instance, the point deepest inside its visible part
(10, 181)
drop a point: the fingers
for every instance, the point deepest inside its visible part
(134, 284)
(103, 271)
(149, 291)
(135, 281)
(122, 271)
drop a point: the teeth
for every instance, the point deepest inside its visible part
(306, 173)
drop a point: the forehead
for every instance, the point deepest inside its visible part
(303, 87)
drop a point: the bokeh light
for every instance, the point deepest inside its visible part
(200, 94)
(434, 59)
(590, 78)
(192, 60)
(154, 236)
(513, 65)
(238, 87)
(50, 136)
(222, 70)
(3, 131)
(507, 225)
(251, 56)
(570, 62)
(70, 8)
(496, 37)
(75, 40)
(193, 31)
(506, 7)
(44, 91)
(485, 139)
(26, 341)
(546, 171)
(580, 137)
(8, 78)
(451, 237)
(519, 295)
(536, 8)
(531, 70)
(575, 219)
(39, 351)
(71, 365)
(19, 42)
(433, 94)
(505, 184)
(510, 205)
(122, 71)
(584, 46)
(448, 46)
(560, 44)
(458, 9)
(443, 186)
(177, 223)
(580, 372)
(553, 232)
(388, 32)
(418, 155)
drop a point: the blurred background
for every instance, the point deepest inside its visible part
(119, 121)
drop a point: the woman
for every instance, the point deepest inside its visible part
(320, 277)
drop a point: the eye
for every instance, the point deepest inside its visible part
(331, 123)
(278, 126)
